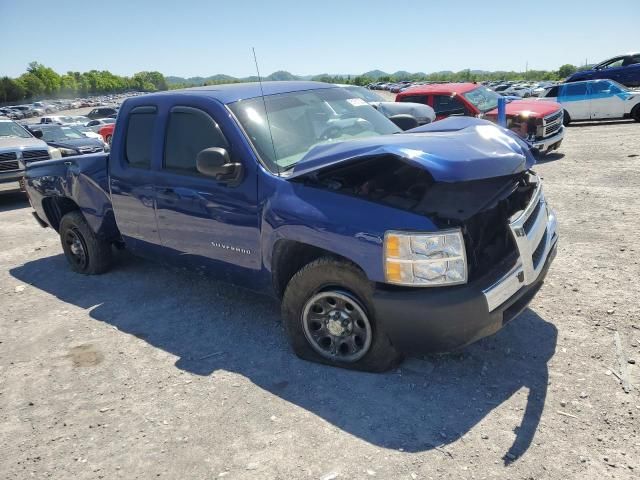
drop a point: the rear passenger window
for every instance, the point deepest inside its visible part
(415, 99)
(139, 136)
(190, 131)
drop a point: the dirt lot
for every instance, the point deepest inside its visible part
(150, 372)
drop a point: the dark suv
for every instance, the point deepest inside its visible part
(624, 69)
(102, 112)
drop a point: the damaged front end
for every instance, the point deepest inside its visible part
(481, 208)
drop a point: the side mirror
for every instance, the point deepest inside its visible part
(214, 162)
(404, 121)
(37, 133)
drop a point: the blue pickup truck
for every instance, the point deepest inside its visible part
(378, 242)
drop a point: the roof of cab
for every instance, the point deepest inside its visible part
(232, 92)
(458, 88)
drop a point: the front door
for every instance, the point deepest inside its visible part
(605, 101)
(207, 223)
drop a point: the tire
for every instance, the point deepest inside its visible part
(85, 252)
(343, 333)
(635, 113)
(566, 120)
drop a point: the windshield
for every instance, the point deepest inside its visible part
(58, 134)
(619, 85)
(301, 120)
(365, 94)
(12, 129)
(482, 98)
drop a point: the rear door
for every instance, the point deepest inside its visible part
(205, 222)
(574, 99)
(131, 179)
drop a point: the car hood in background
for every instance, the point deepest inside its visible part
(456, 149)
(538, 109)
(78, 143)
(14, 142)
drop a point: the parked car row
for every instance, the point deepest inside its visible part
(539, 124)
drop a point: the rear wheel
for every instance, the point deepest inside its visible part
(85, 252)
(328, 317)
(566, 120)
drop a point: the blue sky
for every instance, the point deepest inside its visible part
(198, 37)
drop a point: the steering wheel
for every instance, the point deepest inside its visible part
(331, 132)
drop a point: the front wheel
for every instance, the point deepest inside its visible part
(85, 252)
(566, 120)
(635, 113)
(328, 317)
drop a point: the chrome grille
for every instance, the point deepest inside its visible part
(553, 117)
(86, 150)
(8, 156)
(552, 129)
(529, 230)
(9, 165)
(552, 123)
(32, 154)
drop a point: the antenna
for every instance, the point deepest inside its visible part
(266, 112)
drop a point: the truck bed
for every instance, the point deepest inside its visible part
(80, 182)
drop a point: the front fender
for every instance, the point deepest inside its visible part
(347, 226)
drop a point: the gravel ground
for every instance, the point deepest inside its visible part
(150, 372)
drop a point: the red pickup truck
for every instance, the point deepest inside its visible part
(540, 125)
(107, 132)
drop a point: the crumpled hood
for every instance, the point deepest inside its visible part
(456, 149)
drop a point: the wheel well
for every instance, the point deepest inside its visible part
(289, 257)
(57, 207)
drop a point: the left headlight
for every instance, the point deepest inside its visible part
(54, 153)
(425, 260)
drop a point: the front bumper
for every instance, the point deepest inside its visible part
(447, 318)
(549, 144)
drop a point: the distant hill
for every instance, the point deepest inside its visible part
(221, 78)
(375, 74)
(280, 75)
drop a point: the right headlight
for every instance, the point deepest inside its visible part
(425, 259)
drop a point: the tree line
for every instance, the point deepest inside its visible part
(40, 81)
(462, 76)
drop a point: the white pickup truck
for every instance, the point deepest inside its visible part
(17, 148)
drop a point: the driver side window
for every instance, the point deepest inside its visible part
(190, 131)
(614, 63)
